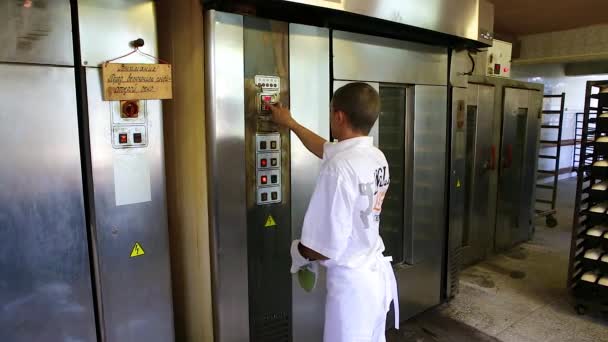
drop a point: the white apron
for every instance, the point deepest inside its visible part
(358, 301)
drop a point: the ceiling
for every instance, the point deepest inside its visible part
(521, 17)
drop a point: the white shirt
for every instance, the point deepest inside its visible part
(343, 216)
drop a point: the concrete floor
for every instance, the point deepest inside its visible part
(518, 296)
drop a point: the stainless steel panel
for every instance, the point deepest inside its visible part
(457, 186)
(135, 293)
(107, 28)
(486, 22)
(429, 173)
(419, 287)
(374, 132)
(478, 240)
(45, 286)
(455, 17)
(270, 298)
(460, 65)
(530, 158)
(360, 57)
(515, 117)
(225, 108)
(419, 278)
(36, 32)
(309, 89)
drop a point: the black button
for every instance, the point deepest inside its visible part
(274, 195)
(264, 196)
(274, 179)
(262, 145)
(273, 145)
(273, 161)
(122, 138)
(137, 138)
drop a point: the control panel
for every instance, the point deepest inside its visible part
(495, 61)
(268, 168)
(129, 124)
(269, 90)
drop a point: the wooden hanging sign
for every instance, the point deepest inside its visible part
(129, 81)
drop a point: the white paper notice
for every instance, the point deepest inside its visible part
(131, 179)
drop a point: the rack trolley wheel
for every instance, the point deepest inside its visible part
(580, 309)
(551, 221)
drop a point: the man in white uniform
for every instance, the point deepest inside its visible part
(341, 226)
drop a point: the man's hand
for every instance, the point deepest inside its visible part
(282, 116)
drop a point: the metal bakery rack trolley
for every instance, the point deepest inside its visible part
(588, 271)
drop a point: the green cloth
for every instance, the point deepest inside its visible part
(307, 279)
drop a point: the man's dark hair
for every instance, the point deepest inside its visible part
(361, 104)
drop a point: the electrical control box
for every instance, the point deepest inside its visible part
(495, 61)
(269, 89)
(129, 124)
(268, 170)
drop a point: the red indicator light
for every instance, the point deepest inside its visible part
(506, 69)
(264, 162)
(264, 180)
(122, 138)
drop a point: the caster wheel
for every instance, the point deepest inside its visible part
(551, 222)
(580, 309)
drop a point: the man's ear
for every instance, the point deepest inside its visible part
(341, 117)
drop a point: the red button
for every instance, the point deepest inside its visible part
(264, 179)
(122, 138)
(264, 162)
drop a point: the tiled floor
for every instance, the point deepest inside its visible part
(496, 303)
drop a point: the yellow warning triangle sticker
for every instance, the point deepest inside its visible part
(458, 183)
(270, 222)
(137, 250)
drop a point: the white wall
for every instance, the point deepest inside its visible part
(556, 82)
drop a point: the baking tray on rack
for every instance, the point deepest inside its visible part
(599, 169)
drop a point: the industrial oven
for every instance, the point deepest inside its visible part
(261, 177)
(502, 142)
(83, 213)
(84, 249)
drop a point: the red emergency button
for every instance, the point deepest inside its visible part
(266, 99)
(122, 138)
(264, 179)
(263, 162)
